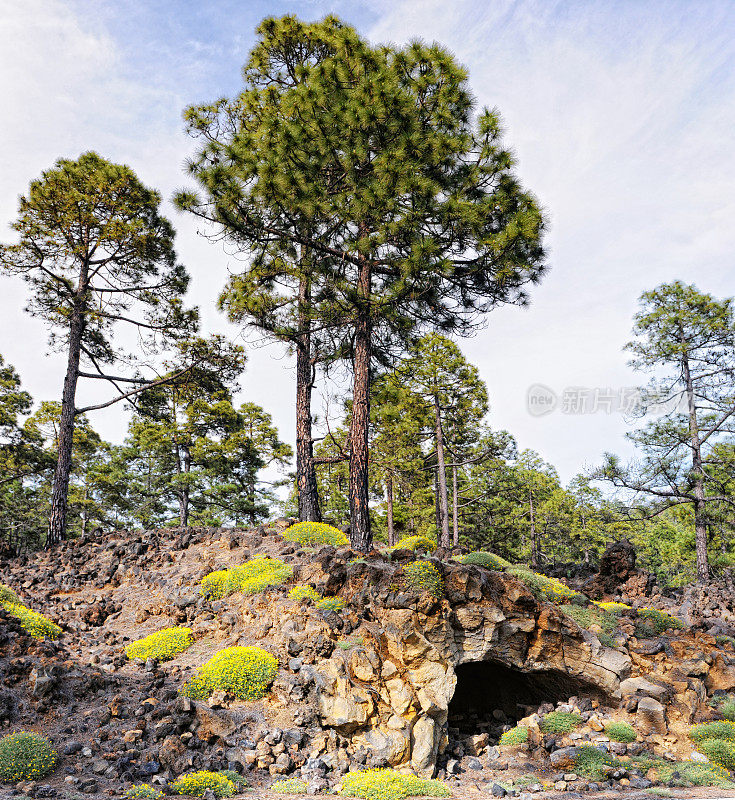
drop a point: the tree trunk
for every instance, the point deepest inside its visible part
(455, 511)
(306, 483)
(389, 508)
(60, 490)
(184, 494)
(700, 509)
(360, 535)
(444, 540)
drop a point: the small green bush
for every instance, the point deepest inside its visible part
(621, 732)
(25, 756)
(713, 730)
(587, 616)
(560, 722)
(515, 736)
(423, 576)
(550, 590)
(163, 645)
(304, 593)
(416, 543)
(726, 707)
(483, 559)
(251, 578)
(245, 672)
(590, 762)
(387, 784)
(36, 624)
(719, 751)
(195, 784)
(331, 604)
(235, 777)
(660, 620)
(314, 533)
(143, 791)
(686, 774)
(7, 595)
(290, 786)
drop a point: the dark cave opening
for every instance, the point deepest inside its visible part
(490, 696)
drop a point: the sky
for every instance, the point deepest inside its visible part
(621, 114)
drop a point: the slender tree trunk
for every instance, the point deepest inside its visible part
(444, 540)
(184, 493)
(306, 483)
(455, 510)
(360, 535)
(389, 508)
(60, 489)
(700, 509)
(535, 549)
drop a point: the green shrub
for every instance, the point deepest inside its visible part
(587, 616)
(36, 624)
(290, 786)
(621, 732)
(7, 595)
(25, 756)
(727, 709)
(163, 645)
(560, 722)
(713, 730)
(313, 533)
(483, 559)
(515, 736)
(195, 784)
(660, 620)
(590, 762)
(416, 543)
(235, 777)
(143, 791)
(331, 604)
(725, 641)
(550, 590)
(719, 751)
(693, 773)
(245, 672)
(423, 576)
(304, 593)
(387, 784)
(250, 578)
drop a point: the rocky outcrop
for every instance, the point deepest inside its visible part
(393, 693)
(618, 574)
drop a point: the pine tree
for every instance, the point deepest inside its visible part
(373, 161)
(97, 256)
(687, 339)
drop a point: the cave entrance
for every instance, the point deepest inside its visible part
(490, 696)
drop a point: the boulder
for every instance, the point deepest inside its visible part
(650, 717)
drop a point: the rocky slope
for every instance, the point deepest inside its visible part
(396, 678)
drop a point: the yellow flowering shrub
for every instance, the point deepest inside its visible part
(309, 534)
(550, 590)
(7, 595)
(719, 751)
(143, 791)
(245, 672)
(25, 756)
(724, 729)
(423, 576)
(515, 736)
(196, 783)
(416, 543)
(611, 607)
(163, 645)
(290, 786)
(331, 604)
(249, 578)
(387, 784)
(482, 558)
(36, 624)
(305, 593)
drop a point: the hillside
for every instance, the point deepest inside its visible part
(420, 663)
